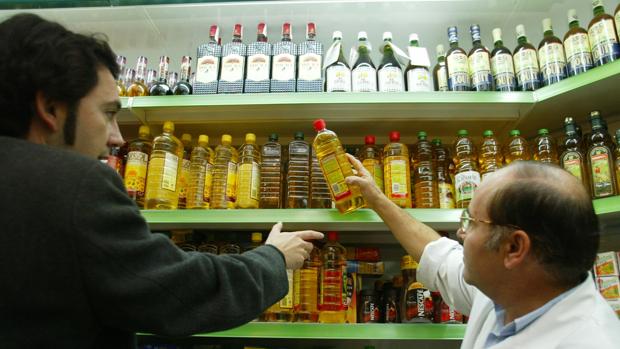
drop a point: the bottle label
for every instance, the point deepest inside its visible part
(170, 170)
(503, 71)
(603, 40)
(231, 183)
(258, 67)
(578, 53)
(552, 62)
(310, 67)
(442, 79)
(135, 173)
(364, 79)
(333, 289)
(206, 69)
(526, 66)
(418, 303)
(287, 301)
(297, 290)
(185, 164)
(446, 195)
(398, 179)
(338, 79)
(572, 162)
(418, 80)
(206, 195)
(391, 80)
(480, 70)
(249, 180)
(335, 177)
(284, 67)
(232, 68)
(458, 71)
(601, 172)
(374, 167)
(466, 184)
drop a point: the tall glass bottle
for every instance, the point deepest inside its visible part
(121, 84)
(390, 74)
(572, 158)
(545, 148)
(479, 63)
(224, 184)
(309, 72)
(364, 73)
(271, 173)
(444, 181)
(284, 69)
(298, 175)
(151, 78)
(617, 156)
(371, 157)
(490, 158)
(603, 36)
(600, 159)
(396, 172)
(457, 64)
(517, 148)
(208, 64)
(502, 66)
(332, 283)
(199, 159)
(577, 46)
(248, 178)
(138, 86)
(424, 174)
(258, 70)
(338, 74)
(162, 182)
(138, 154)
(320, 196)
(440, 71)
(233, 63)
(526, 63)
(417, 77)
(617, 19)
(551, 56)
(306, 284)
(183, 87)
(467, 177)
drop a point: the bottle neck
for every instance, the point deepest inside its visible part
(548, 33)
(454, 44)
(213, 40)
(441, 59)
(311, 37)
(237, 38)
(573, 24)
(522, 40)
(477, 42)
(599, 10)
(184, 73)
(499, 44)
(414, 43)
(261, 38)
(286, 38)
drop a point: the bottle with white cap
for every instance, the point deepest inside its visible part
(457, 64)
(602, 34)
(390, 73)
(417, 77)
(440, 72)
(526, 63)
(338, 74)
(479, 59)
(364, 73)
(577, 46)
(551, 56)
(502, 66)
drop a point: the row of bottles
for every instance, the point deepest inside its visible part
(149, 82)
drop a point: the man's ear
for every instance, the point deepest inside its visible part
(49, 112)
(516, 248)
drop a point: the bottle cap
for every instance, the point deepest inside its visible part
(337, 35)
(572, 15)
(474, 30)
(203, 139)
(413, 37)
(462, 133)
(520, 29)
(546, 24)
(286, 30)
(407, 262)
(387, 36)
(261, 29)
(568, 120)
(186, 138)
(362, 35)
(487, 133)
(250, 138)
(421, 135)
(497, 35)
(144, 130)
(453, 34)
(238, 31)
(515, 133)
(441, 51)
(597, 3)
(543, 131)
(436, 141)
(273, 137)
(319, 124)
(310, 30)
(121, 61)
(214, 33)
(257, 237)
(226, 139)
(595, 114)
(369, 140)
(168, 126)
(332, 236)
(299, 135)
(394, 136)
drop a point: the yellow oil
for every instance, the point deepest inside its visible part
(224, 184)
(248, 178)
(396, 172)
(517, 148)
(444, 180)
(490, 157)
(467, 177)
(336, 168)
(138, 153)
(332, 285)
(282, 311)
(426, 189)
(199, 159)
(545, 149)
(206, 196)
(271, 174)
(298, 174)
(306, 286)
(371, 157)
(162, 189)
(186, 139)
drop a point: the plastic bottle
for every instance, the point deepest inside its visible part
(271, 173)
(336, 168)
(248, 180)
(282, 310)
(224, 187)
(256, 240)
(298, 174)
(424, 174)
(138, 154)
(545, 148)
(320, 196)
(199, 160)
(332, 284)
(186, 139)
(416, 301)
(397, 177)
(444, 181)
(490, 158)
(371, 157)
(162, 187)
(230, 245)
(306, 284)
(467, 177)
(206, 196)
(517, 148)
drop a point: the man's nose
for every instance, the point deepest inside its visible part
(115, 138)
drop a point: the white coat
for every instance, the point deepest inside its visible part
(581, 320)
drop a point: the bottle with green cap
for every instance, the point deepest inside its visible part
(467, 177)
(600, 159)
(572, 158)
(526, 63)
(199, 159)
(162, 182)
(490, 157)
(298, 172)
(224, 185)
(440, 72)
(426, 191)
(138, 154)
(444, 180)
(271, 173)
(545, 148)
(186, 139)
(248, 177)
(603, 36)
(551, 56)
(577, 46)
(517, 148)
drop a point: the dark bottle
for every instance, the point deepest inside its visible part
(338, 73)
(161, 88)
(417, 77)
(479, 63)
(602, 35)
(364, 72)
(445, 187)
(183, 86)
(390, 74)
(600, 159)
(369, 310)
(502, 67)
(551, 56)
(526, 63)
(572, 158)
(440, 71)
(389, 306)
(416, 302)
(457, 64)
(577, 46)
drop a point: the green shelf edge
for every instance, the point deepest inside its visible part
(341, 331)
(33, 4)
(606, 206)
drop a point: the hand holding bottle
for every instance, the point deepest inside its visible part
(293, 245)
(365, 182)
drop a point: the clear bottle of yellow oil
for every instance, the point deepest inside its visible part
(162, 187)
(298, 173)
(396, 172)
(138, 153)
(282, 311)
(371, 157)
(186, 139)
(444, 180)
(306, 285)
(545, 148)
(336, 168)
(197, 171)
(517, 148)
(271, 173)
(467, 177)
(224, 185)
(248, 177)
(206, 194)
(332, 281)
(490, 158)
(424, 174)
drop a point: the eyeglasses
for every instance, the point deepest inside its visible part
(466, 218)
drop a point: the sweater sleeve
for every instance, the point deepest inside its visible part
(141, 282)
(441, 268)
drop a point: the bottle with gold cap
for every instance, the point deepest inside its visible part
(224, 185)
(186, 139)
(248, 178)
(199, 159)
(416, 301)
(336, 168)
(162, 187)
(138, 154)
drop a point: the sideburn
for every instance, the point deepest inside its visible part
(70, 126)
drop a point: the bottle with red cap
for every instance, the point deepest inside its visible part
(336, 168)
(371, 157)
(397, 177)
(208, 63)
(309, 74)
(233, 63)
(259, 63)
(332, 285)
(284, 65)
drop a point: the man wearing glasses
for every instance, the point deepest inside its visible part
(530, 237)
